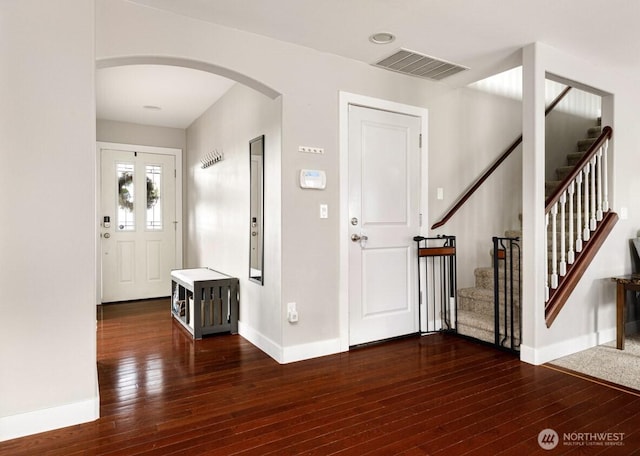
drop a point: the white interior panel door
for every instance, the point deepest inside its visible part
(138, 233)
(384, 215)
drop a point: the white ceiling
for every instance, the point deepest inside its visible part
(472, 33)
(182, 94)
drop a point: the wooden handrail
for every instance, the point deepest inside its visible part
(607, 133)
(467, 194)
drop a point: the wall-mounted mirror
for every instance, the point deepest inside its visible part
(256, 219)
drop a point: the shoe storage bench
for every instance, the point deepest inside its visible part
(204, 301)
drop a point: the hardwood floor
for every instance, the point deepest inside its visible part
(163, 394)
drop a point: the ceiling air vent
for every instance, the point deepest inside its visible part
(422, 66)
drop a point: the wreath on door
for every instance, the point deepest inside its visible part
(125, 198)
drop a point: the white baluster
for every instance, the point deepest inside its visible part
(586, 234)
(599, 183)
(592, 218)
(571, 254)
(554, 247)
(546, 258)
(563, 261)
(605, 177)
(579, 212)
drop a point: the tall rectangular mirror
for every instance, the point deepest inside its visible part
(256, 218)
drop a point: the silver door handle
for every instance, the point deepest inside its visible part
(356, 237)
(106, 235)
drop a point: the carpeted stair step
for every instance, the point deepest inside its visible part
(594, 132)
(476, 325)
(513, 233)
(550, 186)
(480, 300)
(574, 157)
(584, 144)
(479, 326)
(564, 171)
(484, 278)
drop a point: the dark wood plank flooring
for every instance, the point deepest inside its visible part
(161, 393)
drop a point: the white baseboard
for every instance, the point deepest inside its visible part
(311, 350)
(285, 355)
(261, 341)
(565, 348)
(15, 426)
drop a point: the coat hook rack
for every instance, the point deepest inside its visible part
(211, 159)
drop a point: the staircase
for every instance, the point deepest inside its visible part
(476, 309)
(573, 158)
(476, 314)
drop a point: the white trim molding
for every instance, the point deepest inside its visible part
(565, 348)
(15, 426)
(261, 341)
(311, 350)
(292, 354)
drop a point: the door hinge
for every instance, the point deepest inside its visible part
(420, 220)
(420, 140)
(175, 173)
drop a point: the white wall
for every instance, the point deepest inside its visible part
(217, 225)
(588, 317)
(309, 82)
(472, 128)
(144, 135)
(48, 377)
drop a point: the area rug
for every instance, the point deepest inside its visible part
(607, 363)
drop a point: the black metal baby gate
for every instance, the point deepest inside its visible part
(507, 295)
(438, 306)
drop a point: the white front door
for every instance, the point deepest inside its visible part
(137, 217)
(384, 214)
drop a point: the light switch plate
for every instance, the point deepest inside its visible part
(324, 211)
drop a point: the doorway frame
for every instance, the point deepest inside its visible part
(177, 154)
(347, 99)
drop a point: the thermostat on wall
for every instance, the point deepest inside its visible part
(313, 178)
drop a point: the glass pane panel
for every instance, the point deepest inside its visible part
(126, 219)
(154, 206)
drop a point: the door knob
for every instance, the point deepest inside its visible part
(357, 237)
(106, 235)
